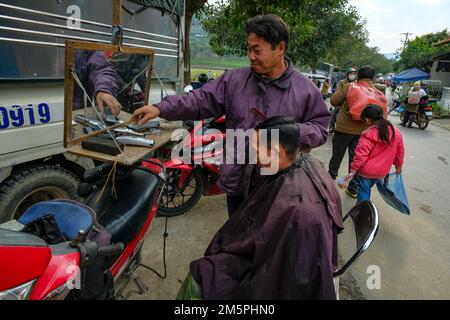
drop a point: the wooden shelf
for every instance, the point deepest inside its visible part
(131, 154)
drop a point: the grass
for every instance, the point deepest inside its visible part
(216, 67)
(439, 111)
(220, 63)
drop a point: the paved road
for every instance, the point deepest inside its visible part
(413, 252)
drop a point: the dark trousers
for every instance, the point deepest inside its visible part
(233, 203)
(408, 118)
(342, 142)
(334, 115)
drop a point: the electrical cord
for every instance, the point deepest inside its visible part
(165, 235)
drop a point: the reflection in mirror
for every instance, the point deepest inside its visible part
(106, 83)
(132, 71)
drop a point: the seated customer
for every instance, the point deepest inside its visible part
(282, 241)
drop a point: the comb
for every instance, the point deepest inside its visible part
(258, 115)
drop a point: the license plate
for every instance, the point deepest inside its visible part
(429, 114)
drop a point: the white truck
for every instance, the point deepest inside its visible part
(33, 163)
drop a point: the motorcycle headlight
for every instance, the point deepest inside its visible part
(59, 293)
(18, 293)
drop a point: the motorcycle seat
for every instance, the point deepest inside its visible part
(125, 216)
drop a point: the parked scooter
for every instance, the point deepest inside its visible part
(187, 181)
(89, 250)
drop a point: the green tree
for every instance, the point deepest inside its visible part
(419, 53)
(316, 26)
(359, 55)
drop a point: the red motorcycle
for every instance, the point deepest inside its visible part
(188, 178)
(89, 250)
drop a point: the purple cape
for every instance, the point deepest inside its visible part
(281, 243)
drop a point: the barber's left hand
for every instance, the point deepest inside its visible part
(104, 99)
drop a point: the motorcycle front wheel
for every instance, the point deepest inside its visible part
(176, 201)
(422, 121)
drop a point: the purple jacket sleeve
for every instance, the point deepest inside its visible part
(315, 121)
(203, 103)
(102, 74)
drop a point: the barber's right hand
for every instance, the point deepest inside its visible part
(106, 100)
(145, 114)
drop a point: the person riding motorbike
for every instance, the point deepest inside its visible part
(415, 97)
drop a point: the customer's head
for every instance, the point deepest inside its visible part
(278, 142)
(373, 114)
(366, 72)
(267, 40)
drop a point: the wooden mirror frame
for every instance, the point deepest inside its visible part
(70, 46)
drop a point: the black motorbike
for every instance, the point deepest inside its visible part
(422, 118)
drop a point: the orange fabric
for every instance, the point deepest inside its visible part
(360, 95)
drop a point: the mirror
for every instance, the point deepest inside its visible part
(104, 85)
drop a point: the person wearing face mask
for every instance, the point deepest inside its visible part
(348, 130)
(350, 77)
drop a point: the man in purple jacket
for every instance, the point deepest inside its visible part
(99, 78)
(270, 84)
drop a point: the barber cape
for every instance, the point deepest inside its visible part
(281, 243)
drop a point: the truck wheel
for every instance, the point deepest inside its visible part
(30, 185)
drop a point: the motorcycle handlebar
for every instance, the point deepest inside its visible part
(98, 172)
(112, 250)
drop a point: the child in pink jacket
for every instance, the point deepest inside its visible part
(379, 147)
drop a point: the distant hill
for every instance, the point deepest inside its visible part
(196, 28)
(202, 54)
(391, 56)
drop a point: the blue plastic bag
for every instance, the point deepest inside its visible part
(400, 109)
(392, 190)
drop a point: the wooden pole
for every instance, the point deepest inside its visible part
(117, 12)
(117, 17)
(68, 95)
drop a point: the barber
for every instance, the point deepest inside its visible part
(271, 84)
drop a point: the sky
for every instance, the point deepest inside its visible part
(388, 19)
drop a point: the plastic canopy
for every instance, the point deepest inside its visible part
(411, 75)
